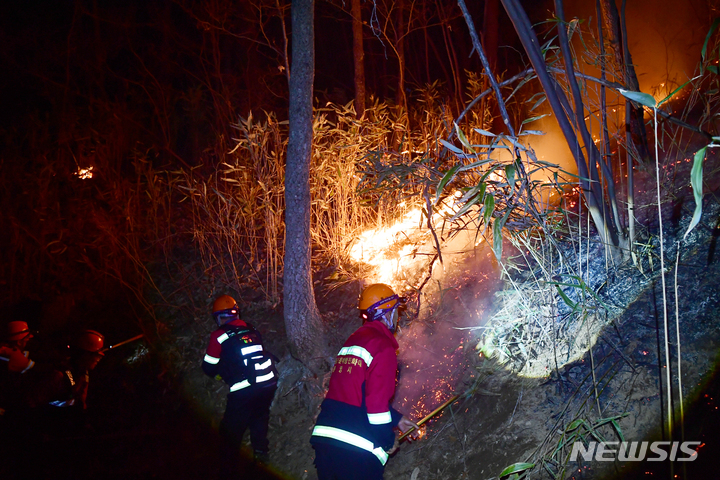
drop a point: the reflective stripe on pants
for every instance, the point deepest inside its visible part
(352, 439)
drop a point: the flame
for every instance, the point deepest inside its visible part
(375, 247)
(84, 173)
(391, 249)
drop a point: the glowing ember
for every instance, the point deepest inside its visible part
(84, 173)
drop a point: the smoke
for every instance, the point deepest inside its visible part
(664, 38)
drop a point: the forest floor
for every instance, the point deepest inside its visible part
(147, 425)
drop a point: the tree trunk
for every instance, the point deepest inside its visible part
(302, 319)
(359, 58)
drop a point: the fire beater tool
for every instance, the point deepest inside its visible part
(429, 416)
(123, 342)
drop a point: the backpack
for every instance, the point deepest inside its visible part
(243, 357)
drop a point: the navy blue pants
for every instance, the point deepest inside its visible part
(248, 410)
(245, 410)
(337, 463)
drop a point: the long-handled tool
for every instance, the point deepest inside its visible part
(429, 416)
(123, 342)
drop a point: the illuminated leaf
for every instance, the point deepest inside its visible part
(516, 468)
(489, 207)
(510, 174)
(449, 175)
(639, 97)
(451, 147)
(484, 132)
(532, 119)
(463, 139)
(497, 234)
(677, 90)
(696, 179)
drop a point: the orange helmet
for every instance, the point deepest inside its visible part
(90, 341)
(17, 331)
(376, 300)
(225, 309)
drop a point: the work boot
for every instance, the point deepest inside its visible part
(261, 458)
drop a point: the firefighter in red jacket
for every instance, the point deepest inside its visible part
(355, 431)
(236, 355)
(14, 363)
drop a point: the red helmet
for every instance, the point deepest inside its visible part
(225, 309)
(17, 331)
(90, 341)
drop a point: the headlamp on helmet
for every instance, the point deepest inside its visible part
(225, 309)
(379, 302)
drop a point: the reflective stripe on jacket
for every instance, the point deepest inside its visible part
(357, 408)
(236, 353)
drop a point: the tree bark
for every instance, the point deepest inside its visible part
(359, 58)
(302, 319)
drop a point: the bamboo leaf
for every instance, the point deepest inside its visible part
(484, 132)
(463, 139)
(639, 97)
(575, 424)
(517, 144)
(451, 147)
(677, 90)
(619, 432)
(510, 174)
(566, 299)
(465, 207)
(489, 207)
(537, 104)
(532, 119)
(696, 179)
(449, 175)
(497, 234)
(516, 468)
(713, 27)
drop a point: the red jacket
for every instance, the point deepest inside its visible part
(214, 348)
(361, 389)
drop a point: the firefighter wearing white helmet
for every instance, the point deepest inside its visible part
(355, 431)
(236, 354)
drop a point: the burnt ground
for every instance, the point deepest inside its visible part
(157, 419)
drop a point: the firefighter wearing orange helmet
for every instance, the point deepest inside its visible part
(236, 354)
(355, 431)
(67, 384)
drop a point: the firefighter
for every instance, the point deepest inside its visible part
(54, 409)
(13, 350)
(15, 362)
(67, 384)
(355, 431)
(236, 355)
